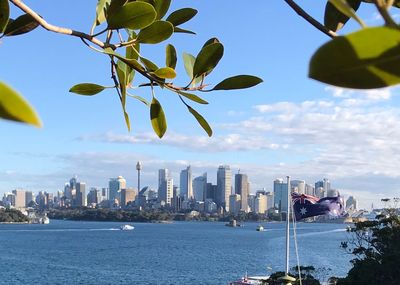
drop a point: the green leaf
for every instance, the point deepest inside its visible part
(208, 58)
(122, 74)
(188, 61)
(211, 41)
(170, 58)
(15, 108)
(141, 99)
(238, 82)
(21, 25)
(181, 16)
(127, 121)
(369, 58)
(203, 123)
(179, 30)
(165, 73)
(155, 33)
(347, 10)
(162, 7)
(157, 117)
(150, 66)
(131, 62)
(4, 14)
(193, 97)
(334, 20)
(100, 11)
(86, 89)
(133, 15)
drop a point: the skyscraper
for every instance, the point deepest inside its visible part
(280, 195)
(19, 198)
(81, 194)
(115, 186)
(163, 175)
(185, 185)
(234, 203)
(200, 187)
(224, 186)
(28, 198)
(298, 186)
(127, 195)
(166, 191)
(322, 187)
(242, 188)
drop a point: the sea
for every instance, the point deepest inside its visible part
(180, 253)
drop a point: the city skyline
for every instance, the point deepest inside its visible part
(289, 125)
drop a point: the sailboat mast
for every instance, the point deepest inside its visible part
(287, 224)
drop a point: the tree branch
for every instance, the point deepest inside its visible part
(56, 29)
(382, 8)
(310, 19)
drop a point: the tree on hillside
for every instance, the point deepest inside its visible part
(365, 59)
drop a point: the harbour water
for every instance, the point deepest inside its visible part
(66, 252)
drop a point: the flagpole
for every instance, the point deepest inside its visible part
(286, 280)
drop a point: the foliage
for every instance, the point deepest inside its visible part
(306, 272)
(126, 26)
(375, 245)
(12, 216)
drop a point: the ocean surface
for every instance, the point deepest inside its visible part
(66, 252)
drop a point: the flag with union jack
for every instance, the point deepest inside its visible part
(306, 206)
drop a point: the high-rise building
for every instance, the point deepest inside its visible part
(242, 188)
(298, 186)
(115, 185)
(19, 198)
(310, 190)
(28, 197)
(81, 194)
(251, 202)
(224, 186)
(325, 184)
(127, 195)
(185, 185)
(351, 204)
(234, 204)
(163, 175)
(333, 193)
(200, 187)
(270, 200)
(280, 195)
(166, 191)
(73, 181)
(211, 192)
(261, 203)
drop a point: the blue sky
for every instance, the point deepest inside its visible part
(289, 125)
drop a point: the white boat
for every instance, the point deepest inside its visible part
(126, 228)
(260, 228)
(250, 280)
(46, 220)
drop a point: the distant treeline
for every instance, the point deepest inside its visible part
(12, 216)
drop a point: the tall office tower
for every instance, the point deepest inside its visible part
(115, 185)
(298, 186)
(19, 198)
(72, 182)
(81, 194)
(270, 200)
(28, 198)
(68, 191)
(104, 194)
(211, 192)
(185, 185)
(166, 191)
(325, 184)
(242, 188)
(41, 199)
(163, 175)
(351, 204)
(261, 203)
(310, 190)
(224, 186)
(280, 195)
(234, 204)
(200, 187)
(127, 195)
(93, 196)
(333, 193)
(250, 201)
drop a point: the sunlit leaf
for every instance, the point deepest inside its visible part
(193, 97)
(141, 99)
(181, 16)
(86, 89)
(21, 25)
(162, 7)
(334, 20)
(15, 108)
(150, 66)
(155, 33)
(158, 120)
(170, 58)
(133, 15)
(369, 58)
(127, 121)
(179, 30)
(4, 14)
(188, 61)
(203, 123)
(208, 58)
(165, 72)
(238, 82)
(100, 11)
(131, 62)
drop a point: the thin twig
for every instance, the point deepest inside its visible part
(381, 6)
(310, 19)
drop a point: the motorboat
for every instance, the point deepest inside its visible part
(126, 228)
(251, 280)
(260, 228)
(233, 224)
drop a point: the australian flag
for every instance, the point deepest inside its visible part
(306, 206)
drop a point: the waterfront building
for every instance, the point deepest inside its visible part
(186, 187)
(224, 186)
(242, 188)
(280, 195)
(127, 196)
(251, 202)
(8, 199)
(81, 194)
(19, 201)
(261, 203)
(42, 199)
(200, 187)
(298, 186)
(67, 191)
(211, 192)
(28, 197)
(234, 204)
(325, 184)
(310, 190)
(95, 196)
(166, 191)
(210, 206)
(270, 200)
(115, 185)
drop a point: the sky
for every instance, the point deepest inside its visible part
(288, 125)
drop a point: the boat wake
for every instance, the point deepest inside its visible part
(321, 233)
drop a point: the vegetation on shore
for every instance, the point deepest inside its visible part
(12, 216)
